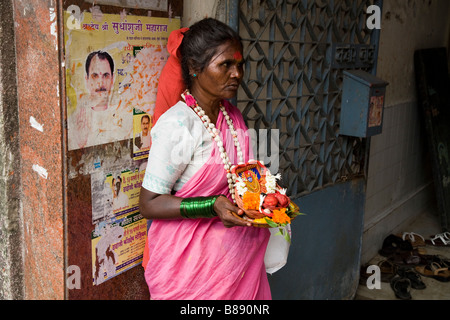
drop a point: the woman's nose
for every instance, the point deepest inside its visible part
(237, 72)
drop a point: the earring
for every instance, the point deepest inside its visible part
(194, 75)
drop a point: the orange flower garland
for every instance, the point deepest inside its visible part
(251, 201)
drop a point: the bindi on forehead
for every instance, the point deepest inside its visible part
(237, 56)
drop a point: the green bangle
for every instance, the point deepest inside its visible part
(198, 207)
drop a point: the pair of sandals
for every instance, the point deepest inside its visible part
(440, 239)
(404, 280)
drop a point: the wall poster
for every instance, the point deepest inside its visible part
(113, 63)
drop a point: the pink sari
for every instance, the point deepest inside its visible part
(200, 259)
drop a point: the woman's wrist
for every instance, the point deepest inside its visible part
(198, 207)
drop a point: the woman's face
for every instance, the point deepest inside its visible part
(222, 77)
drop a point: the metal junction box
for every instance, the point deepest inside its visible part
(363, 97)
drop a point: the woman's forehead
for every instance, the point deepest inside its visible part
(228, 50)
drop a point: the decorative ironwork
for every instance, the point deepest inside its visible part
(293, 81)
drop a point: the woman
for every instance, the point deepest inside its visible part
(197, 249)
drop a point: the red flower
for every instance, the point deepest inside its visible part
(190, 101)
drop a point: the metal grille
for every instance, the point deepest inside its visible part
(293, 84)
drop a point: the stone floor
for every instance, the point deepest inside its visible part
(426, 226)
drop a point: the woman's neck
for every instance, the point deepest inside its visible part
(209, 105)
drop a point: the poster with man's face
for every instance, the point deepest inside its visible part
(112, 68)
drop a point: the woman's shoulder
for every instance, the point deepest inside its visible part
(178, 115)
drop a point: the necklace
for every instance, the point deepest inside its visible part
(215, 135)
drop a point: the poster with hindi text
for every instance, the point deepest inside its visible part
(117, 246)
(113, 63)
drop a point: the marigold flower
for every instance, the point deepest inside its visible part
(280, 216)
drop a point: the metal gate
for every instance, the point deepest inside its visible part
(295, 52)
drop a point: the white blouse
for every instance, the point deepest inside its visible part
(181, 145)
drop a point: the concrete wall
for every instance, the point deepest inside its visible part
(10, 207)
(399, 185)
(31, 167)
(194, 10)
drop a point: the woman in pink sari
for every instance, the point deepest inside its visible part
(197, 249)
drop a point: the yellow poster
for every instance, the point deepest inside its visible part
(117, 246)
(125, 189)
(113, 63)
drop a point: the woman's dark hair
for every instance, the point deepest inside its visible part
(200, 44)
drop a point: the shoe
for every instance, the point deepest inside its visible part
(393, 244)
(401, 287)
(413, 276)
(405, 258)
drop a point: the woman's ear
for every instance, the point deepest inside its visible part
(192, 71)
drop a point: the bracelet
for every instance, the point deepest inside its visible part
(198, 207)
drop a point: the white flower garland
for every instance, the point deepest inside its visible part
(215, 135)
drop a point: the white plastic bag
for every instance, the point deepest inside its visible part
(277, 250)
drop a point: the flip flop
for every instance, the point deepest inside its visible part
(415, 239)
(440, 239)
(401, 287)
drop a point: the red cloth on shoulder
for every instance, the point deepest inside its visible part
(170, 88)
(171, 84)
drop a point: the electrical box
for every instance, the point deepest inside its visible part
(363, 96)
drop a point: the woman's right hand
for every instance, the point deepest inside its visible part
(225, 208)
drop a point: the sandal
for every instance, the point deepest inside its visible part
(435, 271)
(413, 276)
(401, 287)
(387, 270)
(442, 261)
(440, 239)
(416, 239)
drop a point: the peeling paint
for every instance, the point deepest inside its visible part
(40, 170)
(53, 25)
(36, 125)
(97, 13)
